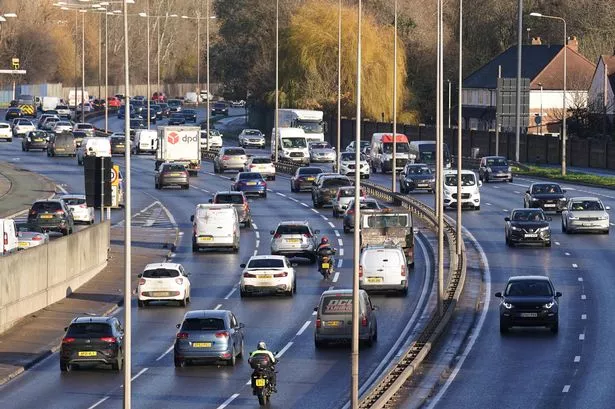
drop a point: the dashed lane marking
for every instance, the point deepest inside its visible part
(566, 389)
(557, 243)
(304, 327)
(290, 344)
(581, 337)
(341, 252)
(566, 253)
(583, 316)
(336, 276)
(314, 210)
(305, 204)
(580, 278)
(575, 265)
(257, 234)
(488, 204)
(228, 401)
(583, 297)
(141, 372)
(339, 263)
(577, 358)
(340, 242)
(165, 353)
(332, 225)
(337, 233)
(230, 293)
(99, 402)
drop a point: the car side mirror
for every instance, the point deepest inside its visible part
(178, 326)
(527, 191)
(316, 231)
(608, 208)
(192, 218)
(65, 329)
(480, 183)
(558, 294)
(374, 307)
(498, 294)
(242, 265)
(563, 190)
(507, 219)
(294, 264)
(315, 308)
(211, 200)
(271, 232)
(139, 275)
(415, 230)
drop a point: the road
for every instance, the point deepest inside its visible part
(307, 378)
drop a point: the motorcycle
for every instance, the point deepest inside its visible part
(261, 383)
(326, 263)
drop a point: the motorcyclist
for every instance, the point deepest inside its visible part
(325, 249)
(261, 349)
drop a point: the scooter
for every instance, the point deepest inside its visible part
(326, 265)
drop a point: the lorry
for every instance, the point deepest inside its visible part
(9, 234)
(381, 153)
(75, 98)
(179, 144)
(292, 145)
(388, 226)
(310, 121)
(27, 105)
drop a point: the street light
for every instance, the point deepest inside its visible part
(564, 105)
(339, 85)
(277, 100)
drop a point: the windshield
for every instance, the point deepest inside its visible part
(235, 151)
(587, 205)
(310, 127)
(418, 170)
(261, 160)
(382, 221)
(366, 204)
(89, 330)
(249, 176)
(229, 199)
(546, 188)
(292, 229)
(319, 145)
(290, 143)
(402, 147)
(203, 324)
(74, 201)
(350, 156)
(266, 263)
(160, 273)
(309, 171)
(169, 168)
(466, 180)
(497, 162)
(251, 132)
(528, 216)
(335, 182)
(529, 288)
(427, 153)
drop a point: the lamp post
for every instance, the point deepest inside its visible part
(339, 84)
(277, 85)
(518, 87)
(564, 104)
(146, 15)
(82, 11)
(541, 115)
(449, 101)
(459, 134)
(394, 158)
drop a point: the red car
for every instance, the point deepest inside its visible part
(114, 102)
(159, 97)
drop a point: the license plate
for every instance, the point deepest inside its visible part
(333, 323)
(23, 244)
(310, 179)
(175, 174)
(46, 216)
(529, 314)
(38, 140)
(59, 149)
(422, 185)
(87, 353)
(260, 382)
(530, 235)
(293, 240)
(251, 183)
(265, 276)
(204, 239)
(201, 344)
(325, 265)
(160, 293)
(374, 279)
(549, 205)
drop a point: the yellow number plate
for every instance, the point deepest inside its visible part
(265, 276)
(175, 174)
(374, 279)
(293, 240)
(325, 265)
(251, 183)
(87, 353)
(23, 244)
(201, 344)
(260, 382)
(202, 239)
(46, 216)
(332, 323)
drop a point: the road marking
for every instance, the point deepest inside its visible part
(218, 307)
(583, 297)
(340, 241)
(566, 253)
(254, 225)
(99, 402)
(505, 210)
(575, 265)
(325, 218)
(332, 225)
(339, 263)
(304, 327)
(255, 252)
(337, 233)
(577, 358)
(314, 210)
(258, 235)
(165, 353)
(172, 255)
(293, 199)
(580, 278)
(566, 388)
(258, 242)
(557, 243)
(336, 276)
(304, 204)
(64, 191)
(516, 191)
(517, 184)
(612, 224)
(141, 372)
(228, 401)
(280, 194)
(341, 252)
(495, 187)
(583, 316)
(290, 344)
(230, 293)
(581, 337)
(488, 204)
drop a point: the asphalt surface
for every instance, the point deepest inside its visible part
(307, 378)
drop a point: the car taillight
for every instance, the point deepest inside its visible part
(364, 321)
(252, 166)
(403, 271)
(222, 334)
(32, 212)
(186, 173)
(68, 340)
(277, 236)
(279, 275)
(38, 237)
(308, 235)
(360, 271)
(59, 212)
(318, 323)
(5, 237)
(182, 335)
(179, 280)
(249, 275)
(142, 281)
(226, 157)
(245, 207)
(111, 340)
(350, 211)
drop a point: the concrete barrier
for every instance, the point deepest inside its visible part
(33, 279)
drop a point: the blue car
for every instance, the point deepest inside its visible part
(177, 119)
(250, 183)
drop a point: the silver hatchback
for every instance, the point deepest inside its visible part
(295, 239)
(230, 159)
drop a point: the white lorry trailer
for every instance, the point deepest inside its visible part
(310, 121)
(179, 144)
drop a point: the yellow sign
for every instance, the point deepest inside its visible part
(115, 178)
(15, 63)
(27, 110)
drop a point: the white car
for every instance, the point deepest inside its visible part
(348, 163)
(261, 164)
(251, 137)
(214, 143)
(383, 268)
(22, 127)
(79, 208)
(163, 282)
(268, 274)
(238, 104)
(321, 152)
(5, 132)
(62, 126)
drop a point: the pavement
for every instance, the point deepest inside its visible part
(19, 188)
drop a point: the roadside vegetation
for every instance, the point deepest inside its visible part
(572, 177)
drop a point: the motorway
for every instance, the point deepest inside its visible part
(528, 368)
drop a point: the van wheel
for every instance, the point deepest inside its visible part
(140, 304)
(319, 344)
(404, 292)
(195, 248)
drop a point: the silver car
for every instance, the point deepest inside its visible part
(321, 152)
(251, 137)
(295, 239)
(230, 159)
(30, 235)
(585, 214)
(343, 197)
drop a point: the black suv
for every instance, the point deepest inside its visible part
(545, 195)
(219, 108)
(52, 215)
(527, 226)
(93, 340)
(529, 301)
(326, 188)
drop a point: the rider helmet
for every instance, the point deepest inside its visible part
(324, 240)
(262, 346)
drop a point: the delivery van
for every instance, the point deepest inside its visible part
(215, 226)
(146, 141)
(9, 235)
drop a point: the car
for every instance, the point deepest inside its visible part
(208, 336)
(172, 174)
(175, 105)
(321, 152)
(527, 226)
(93, 340)
(416, 176)
(49, 122)
(238, 103)
(304, 178)
(61, 144)
(230, 158)
(63, 111)
(250, 183)
(341, 199)
(114, 102)
(164, 109)
(118, 144)
(93, 146)
(153, 117)
(267, 274)
(365, 203)
(121, 112)
(157, 110)
(326, 188)
(321, 176)
(351, 146)
(204, 96)
(215, 226)
(191, 98)
(86, 127)
(98, 104)
(190, 115)
(470, 193)
(334, 318)
(251, 137)
(261, 164)
(215, 140)
(30, 235)
(585, 214)
(383, 268)
(547, 196)
(12, 113)
(22, 127)
(52, 215)
(219, 108)
(529, 301)
(61, 126)
(492, 168)
(35, 140)
(163, 282)
(85, 107)
(5, 132)
(239, 202)
(43, 118)
(79, 208)
(177, 118)
(295, 239)
(136, 123)
(348, 165)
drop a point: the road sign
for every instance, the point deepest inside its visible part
(537, 119)
(12, 71)
(15, 63)
(507, 102)
(115, 175)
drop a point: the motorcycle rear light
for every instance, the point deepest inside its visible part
(182, 335)
(110, 340)
(142, 281)
(318, 324)
(249, 275)
(222, 334)
(360, 271)
(364, 321)
(68, 340)
(280, 275)
(179, 280)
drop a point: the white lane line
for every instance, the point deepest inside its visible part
(336, 276)
(165, 353)
(229, 400)
(557, 243)
(505, 210)
(333, 226)
(566, 389)
(581, 337)
(290, 344)
(255, 252)
(337, 233)
(518, 184)
(496, 187)
(583, 316)
(566, 253)
(304, 327)
(258, 235)
(577, 358)
(230, 293)
(254, 225)
(293, 199)
(304, 204)
(580, 278)
(280, 194)
(64, 191)
(99, 402)
(575, 265)
(488, 204)
(314, 210)
(258, 242)
(612, 224)
(341, 252)
(339, 263)
(340, 242)
(141, 372)
(516, 191)
(583, 297)
(218, 307)
(325, 218)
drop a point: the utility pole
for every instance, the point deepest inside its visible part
(518, 95)
(339, 85)
(82, 65)
(459, 134)
(497, 114)
(394, 167)
(277, 85)
(208, 91)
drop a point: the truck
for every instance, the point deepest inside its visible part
(388, 226)
(27, 105)
(74, 97)
(381, 153)
(179, 144)
(292, 145)
(310, 121)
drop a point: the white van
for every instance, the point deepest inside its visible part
(383, 268)
(146, 140)
(470, 194)
(381, 152)
(215, 225)
(49, 103)
(94, 146)
(9, 235)
(292, 145)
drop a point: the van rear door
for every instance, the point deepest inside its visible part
(217, 223)
(8, 234)
(336, 315)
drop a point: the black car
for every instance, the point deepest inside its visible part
(93, 340)
(121, 112)
(304, 178)
(136, 123)
(78, 137)
(326, 189)
(118, 145)
(177, 118)
(12, 113)
(529, 301)
(546, 196)
(416, 176)
(190, 115)
(175, 105)
(493, 168)
(157, 110)
(52, 215)
(164, 109)
(219, 108)
(527, 226)
(35, 140)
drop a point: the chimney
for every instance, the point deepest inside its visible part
(536, 41)
(573, 43)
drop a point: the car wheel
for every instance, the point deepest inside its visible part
(511, 180)
(248, 223)
(243, 293)
(404, 292)
(140, 303)
(605, 231)
(195, 248)
(503, 328)
(233, 360)
(564, 228)
(477, 207)
(318, 343)
(292, 188)
(272, 177)
(346, 229)
(548, 244)
(265, 195)
(555, 327)
(335, 214)
(117, 365)
(179, 363)
(65, 366)
(241, 353)
(65, 232)
(23, 149)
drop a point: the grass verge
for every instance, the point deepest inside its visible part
(573, 177)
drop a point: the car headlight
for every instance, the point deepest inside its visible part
(514, 228)
(507, 305)
(562, 199)
(543, 228)
(509, 169)
(533, 199)
(548, 305)
(603, 218)
(489, 170)
(409, 180)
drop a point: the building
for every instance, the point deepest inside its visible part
(543, 66)
(601, 98)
